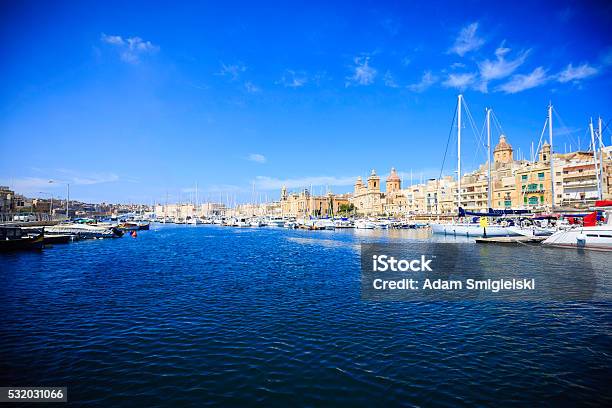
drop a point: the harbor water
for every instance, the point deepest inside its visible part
(207, 315)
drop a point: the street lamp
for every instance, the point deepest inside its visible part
(67, 196)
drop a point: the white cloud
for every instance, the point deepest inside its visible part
(571, 73)
(232, 71)
(257, 158)
(272, 183)
(363, 73)
(251, 87)
(389, 80)
(459, 81)
(293, 79)
(130, 49)
(427, 80)
(467, 40)
(521, 82)
(112, 39)
(500, 68)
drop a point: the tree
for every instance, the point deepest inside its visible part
(346, 208)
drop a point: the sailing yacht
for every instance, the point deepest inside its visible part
(597, 237)
(467, 228)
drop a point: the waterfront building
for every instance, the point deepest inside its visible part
(580, 179)
(368, 199)
(305, 205)
(6, 200)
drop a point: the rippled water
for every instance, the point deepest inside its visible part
(203, 315)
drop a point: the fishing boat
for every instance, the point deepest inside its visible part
(128, 226)
(143, 225)
(14, 238)
(589, 235)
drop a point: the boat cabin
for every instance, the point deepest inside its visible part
(10, 233)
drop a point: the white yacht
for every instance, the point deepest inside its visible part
(343, 223)
(472, 230)
(364, 224)
(276, 222)
(325, 224)
(597, 237)
(84, 230)
(256, 222)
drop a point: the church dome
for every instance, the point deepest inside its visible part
(393, 176)
(503, 144)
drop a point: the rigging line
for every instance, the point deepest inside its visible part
(480, 142)
(473, 125)
(541, 136)
(568, 133)
(450, 132)
(497, 123)
(604, 129)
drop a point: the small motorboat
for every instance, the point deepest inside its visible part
(364, 224)
(14, 239)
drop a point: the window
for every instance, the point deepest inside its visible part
(533, 200)
(524, 177)
(541, 176)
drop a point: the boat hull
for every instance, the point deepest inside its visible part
(25, 243)
(596, 238)
(472, 230)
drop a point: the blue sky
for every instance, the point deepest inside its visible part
(131, 101)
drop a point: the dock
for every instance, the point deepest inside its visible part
(510, 240)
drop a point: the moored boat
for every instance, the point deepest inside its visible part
(364, 224)
(14, 239)
(85, 230)
(589, 235)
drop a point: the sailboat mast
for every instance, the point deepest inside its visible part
(552, 155)
(595, 158)
(601, 163)
(489, 158)
(459, 101)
